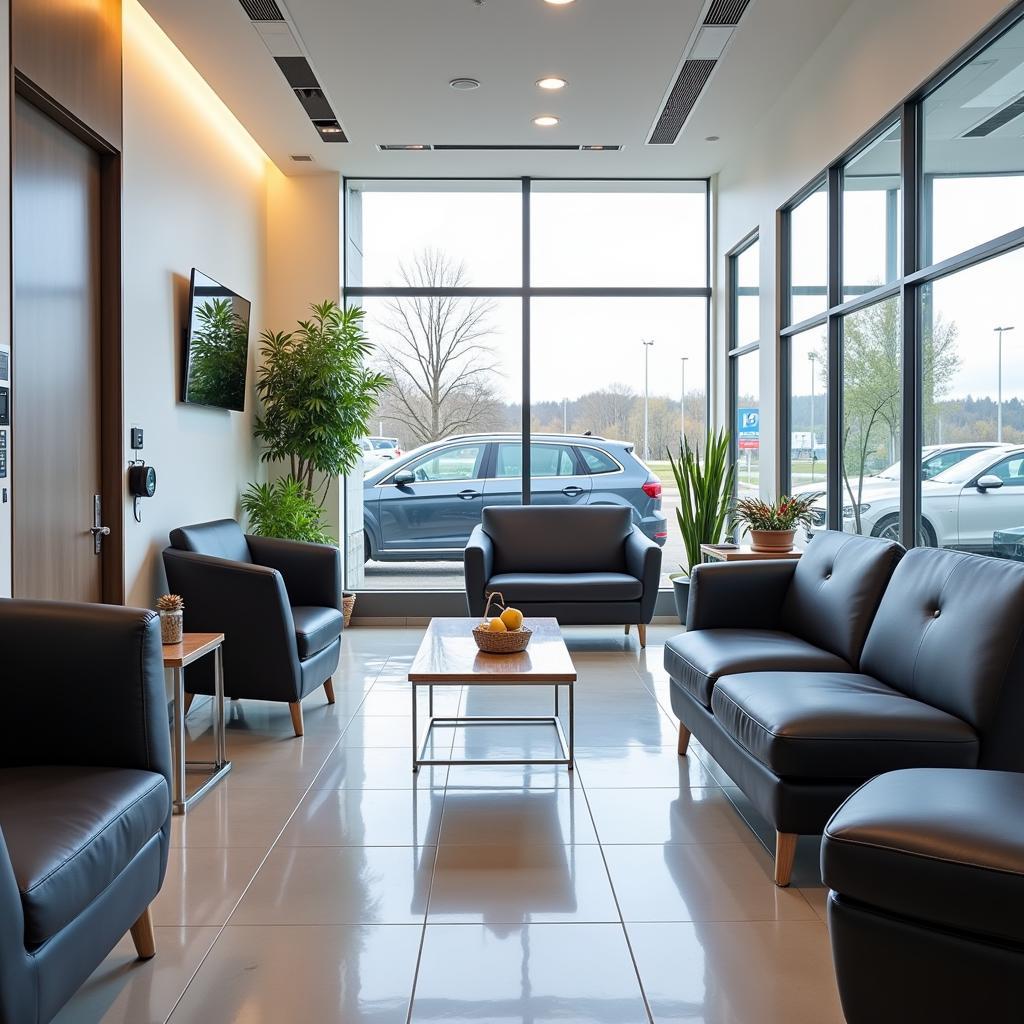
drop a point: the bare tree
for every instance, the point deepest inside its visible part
(441, 361)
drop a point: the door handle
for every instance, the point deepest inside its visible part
(466, 495)
(98, 530)
(572, 491)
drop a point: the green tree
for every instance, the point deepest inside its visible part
(218, 353)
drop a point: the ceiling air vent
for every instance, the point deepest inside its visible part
(389, 147)
(726, 12)
(693, 76)
(262, 10)
(301, 158)
(1001, 117)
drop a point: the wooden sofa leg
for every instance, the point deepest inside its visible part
(296, 709)
(785, 852)
(642, 630)
(189, 697)
(142, 936)
(329, 690)
(684, 740)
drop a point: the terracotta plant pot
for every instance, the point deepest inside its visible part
(772, 540)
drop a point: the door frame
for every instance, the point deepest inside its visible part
(111, 442)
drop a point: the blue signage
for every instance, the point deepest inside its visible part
(748, 428)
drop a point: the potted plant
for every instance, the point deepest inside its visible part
(317, 396)
(705, 491)
(773, 524)
(171, 608)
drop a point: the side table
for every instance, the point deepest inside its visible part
(194, 646)
(742, 553)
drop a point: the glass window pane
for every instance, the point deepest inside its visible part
(747, 300)
(626, 234)
(458, 463)
(598, 462)
(808, 257)
(545, 460)
(808, 419)
(872, 419)
(747, 403)
(872, 215)
(973, 398)
(973, 162)
(434, 234)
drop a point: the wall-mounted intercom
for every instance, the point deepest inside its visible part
(141, 478)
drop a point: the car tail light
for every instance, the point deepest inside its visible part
(398, 453)
(653, 488)
(663, 533)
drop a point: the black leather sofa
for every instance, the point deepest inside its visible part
(585, 565)
(926, 868)
(85, 806)
(277, 602)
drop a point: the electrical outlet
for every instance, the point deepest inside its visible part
(136, 439)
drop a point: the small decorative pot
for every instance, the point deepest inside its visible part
(348, 604)
(778, 541)
(681, 592)
(170, 627)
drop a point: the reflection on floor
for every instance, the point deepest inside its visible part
(323, 883)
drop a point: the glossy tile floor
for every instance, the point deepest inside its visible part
(322, 882)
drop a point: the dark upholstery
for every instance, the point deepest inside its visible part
(85, 805)
(926, 869)
(581, 564)
(279, 608)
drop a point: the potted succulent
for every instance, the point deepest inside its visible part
(170, 607)
(705, 491)
(772, 524)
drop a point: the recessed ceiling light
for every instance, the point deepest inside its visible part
(711, 138)
(464, 84)
(558, 3)
(552, 83)
(330, 129)
(545, 121)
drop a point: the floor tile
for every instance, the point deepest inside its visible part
(651, 816)
(653, 729)
(381, 702)
(639, 767)
(569, 973)
(236, 815)
(347, 974)
(376, 768)
(699, 882)
(769, 972)
(516, 817)
(371, 817)
(379, 731)
(501, 885)
(203, 883)
(126, 990)
(817, 897)
(340, 885)
(513, 776)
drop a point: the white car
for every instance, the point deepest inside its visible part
(960, 508)
(385, 447)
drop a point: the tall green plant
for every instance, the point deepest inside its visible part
(705, 492)
(218, 352)
(284, 509)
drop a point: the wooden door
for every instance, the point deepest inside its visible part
(56, 360)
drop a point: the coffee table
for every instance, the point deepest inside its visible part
(448, 655)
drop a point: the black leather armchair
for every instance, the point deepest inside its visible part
(277, 602)
(85, 806)
(584, 565)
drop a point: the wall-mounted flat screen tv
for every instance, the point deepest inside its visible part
(216, 346)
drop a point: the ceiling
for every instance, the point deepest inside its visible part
(385, 66)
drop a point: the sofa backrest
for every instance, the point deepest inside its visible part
(222, 538)
(949, 632)
(554, 538)
(836, 590)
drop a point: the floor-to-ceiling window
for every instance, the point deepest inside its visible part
(584, 303)
(914, 318)
(744, 332)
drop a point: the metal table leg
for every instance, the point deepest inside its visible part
(415, 732)
(178, 744)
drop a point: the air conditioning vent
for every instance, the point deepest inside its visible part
(390, 147)
(726, 12)
(997, 120)
(262, 10)
(298, 72)
(692, 78)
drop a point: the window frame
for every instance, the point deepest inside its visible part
(735, 351)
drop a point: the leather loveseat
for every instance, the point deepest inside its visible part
(584, 565)
(85, 806)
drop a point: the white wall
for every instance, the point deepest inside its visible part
(5, 279)
(195, 193)
(878, 53)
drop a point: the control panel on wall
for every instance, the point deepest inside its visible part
(5, 471)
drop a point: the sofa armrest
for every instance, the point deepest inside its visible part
(738, 595)
(479, 565)
(643, 561)
(311, 572)
(85, 686)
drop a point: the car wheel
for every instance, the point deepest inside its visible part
(889, 529)
(366, 549)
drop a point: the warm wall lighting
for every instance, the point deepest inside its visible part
(552, 83)
(545, 121)
(160, 57)
(559, 3)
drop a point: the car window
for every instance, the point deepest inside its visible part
(973, 465)
(545, 460)
(384, 442)
(1010, 471)
(450, 464)
(942, 461)
(598, 462)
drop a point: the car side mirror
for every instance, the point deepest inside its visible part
(403, 478)
(988, 482)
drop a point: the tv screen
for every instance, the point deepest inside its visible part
(216, 346)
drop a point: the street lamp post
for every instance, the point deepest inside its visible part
(647, 444)
(682, 402)
(813, 357)
(999, 404)
(565, 415)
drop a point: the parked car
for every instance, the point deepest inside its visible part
(961, 507)
(423, 506)
(385, 447)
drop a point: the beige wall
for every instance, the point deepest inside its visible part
(5, 276)
(878, 53)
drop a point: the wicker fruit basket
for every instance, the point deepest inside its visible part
(510, 642)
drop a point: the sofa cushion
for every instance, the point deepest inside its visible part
(222, 538)
(944, 847)
(70, 831)
(572, 586)
(836, 590)
(315, 628)
(696, 660)
(833, 725)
